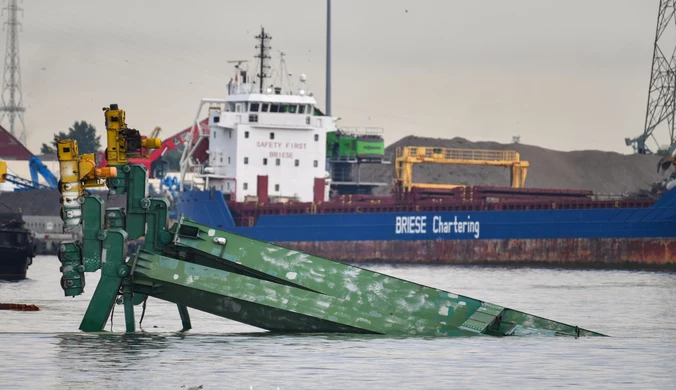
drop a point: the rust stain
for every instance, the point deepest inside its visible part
(573, 252)
(18, 307)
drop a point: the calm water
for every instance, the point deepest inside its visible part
(44, 350)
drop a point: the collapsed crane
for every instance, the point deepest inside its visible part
(239, 278)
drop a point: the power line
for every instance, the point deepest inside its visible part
(12, 103)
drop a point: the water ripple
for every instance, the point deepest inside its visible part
(44, 349)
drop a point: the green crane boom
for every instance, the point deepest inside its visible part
(256, 283)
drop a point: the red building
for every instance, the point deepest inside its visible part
(11, 148)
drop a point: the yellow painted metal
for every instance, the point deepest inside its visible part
(407, 156)
(77, 173)
(90, 176)
(115, 121)
(123, 142)
(3, 171)
(152, 143)
(69, 183)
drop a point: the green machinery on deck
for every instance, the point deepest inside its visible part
(235, 277)
(359, 144)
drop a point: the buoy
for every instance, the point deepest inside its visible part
(18, 307)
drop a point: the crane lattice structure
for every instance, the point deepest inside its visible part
(661, 109)
(11, 104)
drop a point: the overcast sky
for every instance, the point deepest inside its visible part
(566, 75)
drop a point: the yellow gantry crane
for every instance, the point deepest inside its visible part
(409, 155)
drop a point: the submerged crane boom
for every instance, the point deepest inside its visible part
(236, 277)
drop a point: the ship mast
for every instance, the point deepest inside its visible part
(264, 56)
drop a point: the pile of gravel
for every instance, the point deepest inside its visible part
(598, 171)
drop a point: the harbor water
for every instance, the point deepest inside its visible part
(45, 350)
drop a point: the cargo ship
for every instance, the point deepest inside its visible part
(16, 247)
(267, 163)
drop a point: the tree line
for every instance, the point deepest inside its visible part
(85, 135)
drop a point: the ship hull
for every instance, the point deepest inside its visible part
(608, 237)
(14, 266)
(615, 253)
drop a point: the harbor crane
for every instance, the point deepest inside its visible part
(661, 108)
(409, 155)
(37, 167)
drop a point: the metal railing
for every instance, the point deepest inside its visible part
(250, 88)
(362, 131)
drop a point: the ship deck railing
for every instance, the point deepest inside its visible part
(375, 132)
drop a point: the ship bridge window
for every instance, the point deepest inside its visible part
(289, 108)
(253, 118)
(264, 107)
(301, 109)
(253, 107)
(274, 108)
(230, 107)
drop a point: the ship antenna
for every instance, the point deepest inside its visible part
(238, 69)
(328, 57)
(283, 72)
(263, 55)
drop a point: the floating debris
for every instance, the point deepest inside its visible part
(18, 307)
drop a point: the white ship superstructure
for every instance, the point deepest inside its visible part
(271, 136)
